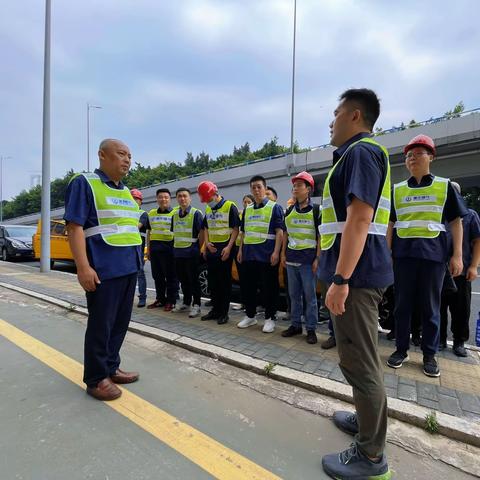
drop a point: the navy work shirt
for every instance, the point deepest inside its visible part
(434, 249)
(263, 251)
(306, 256)
(109, 262)
(162, 246)
(361, 174)
(143, 229)
(233, 222)
(194, 249)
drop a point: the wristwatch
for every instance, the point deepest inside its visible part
(339, 280)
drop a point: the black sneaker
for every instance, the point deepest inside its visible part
(352, 463)
(459, 349)
(430, 366)
(442, 345)
(416, 340)
(211, 315)
(397, 358)
(330, 342)
(222, 320)
(346, 422)
(292, 331)
(311, 337)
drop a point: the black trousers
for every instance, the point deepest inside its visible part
(163, 273)
(220, 284)
(187, 274)
(267, 275)
(459, 303)
(109, 313)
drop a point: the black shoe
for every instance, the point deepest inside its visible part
(397, 358)
(292, 331)
(311, 337)
(330, 342)
(459, 349)
(442, 345)
(346, 422)
(416, 340)
(430, 366)
(141, 303)
(391, 335)
(222, 320)
(211, 315)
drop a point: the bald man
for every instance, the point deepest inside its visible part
(102, 224)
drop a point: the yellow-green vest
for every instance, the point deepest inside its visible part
(117, 212)
(257, 223)
(330, 226)
(160, 224)
(218, 223)
(183, 229)
(419, 210)
(301, 230)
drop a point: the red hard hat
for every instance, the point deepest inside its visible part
(420, 141)
(136, 193)
(206, 190)
(306, 177)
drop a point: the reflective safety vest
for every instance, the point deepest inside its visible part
(301, 230)
(183, 229)
(218, 223)
(118, 214)
(419, 210)
(257, 223)
(239, 236)
(330, 225)
(160, 224)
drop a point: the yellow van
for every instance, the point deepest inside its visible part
(59, 246)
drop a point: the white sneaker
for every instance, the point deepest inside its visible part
(238, 307)
(194, 311)
(268, 326)
(179, 307)
(246, 322)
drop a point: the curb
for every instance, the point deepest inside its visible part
(460, 429)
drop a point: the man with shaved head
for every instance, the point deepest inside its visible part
(102, 224)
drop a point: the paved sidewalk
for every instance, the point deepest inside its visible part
(456, 392)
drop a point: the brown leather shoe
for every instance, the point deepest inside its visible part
(156, 304)
(105, 390)
(124, 377)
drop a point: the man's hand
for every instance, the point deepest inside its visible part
(315, 265)
(456, 265)
(336, 297)
(226, 253)
(88, 279)
(239, 255)
(211, 247)
(148, 254)
(472, 273)
(283, 261)
(274, 258)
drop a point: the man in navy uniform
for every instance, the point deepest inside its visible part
(355, 261)
(102, 222)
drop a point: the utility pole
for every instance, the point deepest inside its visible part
(292, 120)
(89, 107)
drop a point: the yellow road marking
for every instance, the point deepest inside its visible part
(218, 460)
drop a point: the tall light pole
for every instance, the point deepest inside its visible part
(89, 107)
(292, 120)
(45, 213)
(1, 186)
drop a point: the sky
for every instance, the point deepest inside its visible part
(206, 75)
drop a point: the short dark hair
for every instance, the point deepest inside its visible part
(163, 190)
(250, 196)
(272, 190)
(182, 189)
(258, 178)
(366, 101)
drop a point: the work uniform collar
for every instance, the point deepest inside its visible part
(187, 211)
(167, 210)
(304, 209)
(106, 179)
(219, 204)
(262, 203)
(424, 182)
(337, 154)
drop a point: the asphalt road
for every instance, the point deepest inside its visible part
(66, 267)
(183, 402)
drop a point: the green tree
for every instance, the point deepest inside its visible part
(457, 110)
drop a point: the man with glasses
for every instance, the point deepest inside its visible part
(422, 205)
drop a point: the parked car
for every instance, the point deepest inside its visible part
(16, 241)
(59, 246)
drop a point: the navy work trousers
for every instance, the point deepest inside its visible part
(109, 312)
(163, 273)
(418, 288)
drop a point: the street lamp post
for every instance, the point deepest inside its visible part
(1, 186)
(89, 107)
(292, 120)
